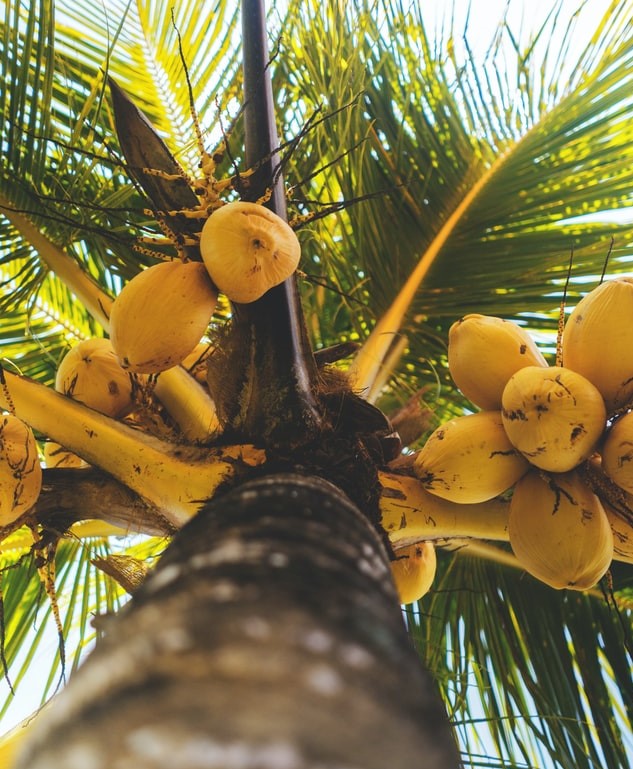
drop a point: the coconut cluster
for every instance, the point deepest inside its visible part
(160, 318)
(161, 315)
(559, 437)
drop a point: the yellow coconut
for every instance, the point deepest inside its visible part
(20, 470)
(469, 459)
(622, 528)
(554, 416)
(414, 570)
(484, 352)
(617, 452)
(161, 315)
(559, 530)
(598, 341)
(91, 373)
(247, 250)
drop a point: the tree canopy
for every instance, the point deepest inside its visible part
(450, 184)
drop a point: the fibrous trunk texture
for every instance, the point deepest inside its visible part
(268, 637)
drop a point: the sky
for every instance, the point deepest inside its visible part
(483, 15)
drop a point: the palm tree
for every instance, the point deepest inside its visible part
(474, 192)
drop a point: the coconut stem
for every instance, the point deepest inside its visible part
(176, 480)
(279, 374)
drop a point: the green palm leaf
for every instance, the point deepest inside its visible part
(529, 671)
(515, 174)
(84, 593)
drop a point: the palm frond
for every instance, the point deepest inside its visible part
(84, 592)
(529, 672)
(433, 125)
(61, 168)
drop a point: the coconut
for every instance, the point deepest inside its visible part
(161, 315)
(413, 571)
(554, 416)
(617, 452)
(247, 250)
(20, 470)
(597, 341)
(622, 529)
(559, 531)
(484, 352)
(469, 459)
(91, 373)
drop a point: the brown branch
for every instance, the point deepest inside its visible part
(76, 494)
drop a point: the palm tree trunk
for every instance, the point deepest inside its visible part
(269, 637)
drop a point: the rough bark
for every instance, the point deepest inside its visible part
(269, 637)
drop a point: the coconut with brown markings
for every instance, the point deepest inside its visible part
(161, 315)
(559, 531)
(469, 459)
(484, 352)
(553, 416)
(617, 452)
(413, 571)
(247, 250)
(90, 373)
(20, 469)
